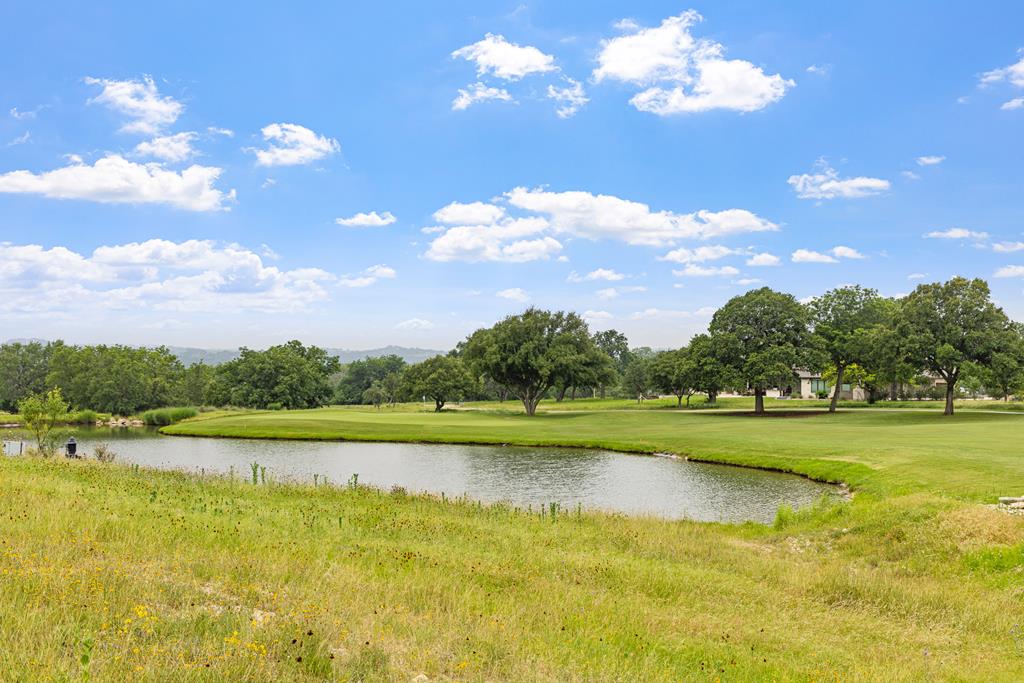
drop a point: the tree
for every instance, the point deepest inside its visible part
(530, 353)
(358, 375)
(636, 380)
(710, 372)
(674, 372)
(595, 369)
(1004, 375)
(290, 375)
(766, 335)
(116, 379)
(23, 369)
(195, 383)
(375, 395)
(41, 413)
(442, 378)
(838, 316)
(616, 346)
(947, 326)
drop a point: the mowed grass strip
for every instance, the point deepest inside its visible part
(178, 578)
(972, 455)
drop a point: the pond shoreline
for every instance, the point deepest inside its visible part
(844, 489)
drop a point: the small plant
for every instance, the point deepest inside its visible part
(255, 473)
(40, 414)
(276, 405)
(85, 658)
(263, 474)
(353, 481)
(103, 452)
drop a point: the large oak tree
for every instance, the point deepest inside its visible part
(840, 317)
(764, 335)
(949, 326)
(532, 352)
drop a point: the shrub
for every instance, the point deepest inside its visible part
(103, 452)
(275, 406)
(83, 417)
(166, 416)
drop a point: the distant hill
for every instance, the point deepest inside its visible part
(190, 356)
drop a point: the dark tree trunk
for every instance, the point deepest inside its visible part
(840, 369)
(572, 397)
(950, 389)
(561, 394)
(688, 400)
(759, 401)
(438, 404)
(712, 396)
(679, 400)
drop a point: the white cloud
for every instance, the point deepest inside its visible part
(822, 70)
(763, 259)
(226, 132)
(483, 232)
(474, 213)
(693, 270)
(910, 175)
(747, 281)
(509, 61)
(846, 252)
(1015, 103)
(21, 139)
(932, 160)
(194, 275)
(140, 101)
(26, 115)
(512, 240)
(415, 324)
(291, 144)
(177, 147)
(1008, 247)
(614, 292)
(570, 99)
(956, 234)
(917, 276)
(115, 180)
(597, 315)
(478, 92)
(514, 294)
(808, 256)
(599, 274)
(269, 182)
(698, 255)
(367, 220)
(825, 183)
(368, 277)
(1010, 271)
(683, 74)
(608, 217)
(1014, 74)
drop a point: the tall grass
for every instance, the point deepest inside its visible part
(167, 416)
(170, 576)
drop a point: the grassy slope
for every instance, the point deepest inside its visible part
(179, 578)
(170, 573)
(971, 455)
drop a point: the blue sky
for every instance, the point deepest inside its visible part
(406, 172)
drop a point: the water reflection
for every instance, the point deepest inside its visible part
(522, 476)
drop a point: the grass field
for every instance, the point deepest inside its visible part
(173, 577)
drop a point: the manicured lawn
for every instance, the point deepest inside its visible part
(182, 578)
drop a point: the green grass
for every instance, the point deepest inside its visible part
(168, 416)
(179, 578)
(184, 578)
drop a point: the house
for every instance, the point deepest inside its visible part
(811, 384)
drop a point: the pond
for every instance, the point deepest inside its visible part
(593, 479)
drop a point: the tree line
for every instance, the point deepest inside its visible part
(949, 331)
